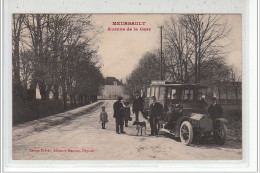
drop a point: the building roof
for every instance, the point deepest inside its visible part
(112, 80)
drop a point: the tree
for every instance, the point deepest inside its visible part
(58, 33)
(189, 41)
(205, 34)
(215, 73)
(54, 49)
(36, 25)
(177, 51)
(148, 69)
(78, 47)
(17, 29)
(235, 83)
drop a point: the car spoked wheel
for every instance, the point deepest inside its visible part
(186, 133)
(220, 133)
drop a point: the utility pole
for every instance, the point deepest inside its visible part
(161, 56)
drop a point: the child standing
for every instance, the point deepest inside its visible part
(103, 117)
(126, 113)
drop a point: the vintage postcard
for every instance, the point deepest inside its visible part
(127, 86)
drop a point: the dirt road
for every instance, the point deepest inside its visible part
(82, 138)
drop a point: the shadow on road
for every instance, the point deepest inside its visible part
(206, 143)
(168, 135)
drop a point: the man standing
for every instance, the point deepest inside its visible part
(215, 111)
(155, 112)
(138, 106)
(119, 115)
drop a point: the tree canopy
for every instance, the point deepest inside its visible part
(55, 51)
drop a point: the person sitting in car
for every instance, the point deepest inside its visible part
(215, 111)
(203, 103)
(171, 117)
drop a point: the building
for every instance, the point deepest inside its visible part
(112, 89)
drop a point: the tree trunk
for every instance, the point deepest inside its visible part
(44, 95)
(43, 91)
(17, 29)
(236, 96)
(56, 92)
(80, 98)
(84, 100)
(196, 62)
(219, 95)
(64, 96)
(226, 96)
(31, 92)
(16, 63)
(186, 71)
(74, 101)
(198, 71)
(71, 102)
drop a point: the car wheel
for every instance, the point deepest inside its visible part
(186, 133)
(220, 133)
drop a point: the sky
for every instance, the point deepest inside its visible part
(121, 50)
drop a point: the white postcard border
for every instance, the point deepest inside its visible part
(247, 8)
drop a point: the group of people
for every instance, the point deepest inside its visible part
(138, 105)
(122, 113)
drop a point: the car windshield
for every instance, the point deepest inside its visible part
(194, 94)
(202, 92)
(173, 93)
(188, 94)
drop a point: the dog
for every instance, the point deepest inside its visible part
(140, 125)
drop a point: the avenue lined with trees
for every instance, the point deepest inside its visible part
(58, 54)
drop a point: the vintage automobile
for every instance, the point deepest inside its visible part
(190, 110)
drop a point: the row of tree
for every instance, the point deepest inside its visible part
(57, 53)
(193, 52)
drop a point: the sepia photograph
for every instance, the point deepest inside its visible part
(127, 86)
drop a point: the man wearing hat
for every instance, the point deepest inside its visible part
(119, 115)
(137, 105)
(215, 111)
(156, 110)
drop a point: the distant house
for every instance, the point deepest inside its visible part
(112, 89)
